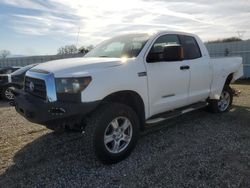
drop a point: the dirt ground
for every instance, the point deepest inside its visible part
(198, 149)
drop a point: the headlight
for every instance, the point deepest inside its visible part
(72, 85)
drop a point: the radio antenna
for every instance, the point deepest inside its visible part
(77, 38)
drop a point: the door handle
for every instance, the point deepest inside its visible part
(184, 67)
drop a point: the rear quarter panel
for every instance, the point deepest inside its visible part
(222, 68)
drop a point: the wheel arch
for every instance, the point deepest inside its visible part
(229, 79)
(130, 98)
(218, 85)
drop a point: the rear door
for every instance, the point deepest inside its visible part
(200, 71)
(168, 83)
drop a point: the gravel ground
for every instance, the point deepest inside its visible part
(198, 149)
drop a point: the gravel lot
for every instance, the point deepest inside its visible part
(198, 149)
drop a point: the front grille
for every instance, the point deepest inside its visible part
(38, 88)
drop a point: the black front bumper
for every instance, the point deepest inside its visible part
(51, 113)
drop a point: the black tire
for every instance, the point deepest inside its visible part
(3, 93)
(95, 130)
(214, 104)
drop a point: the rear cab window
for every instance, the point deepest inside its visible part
(190, 46)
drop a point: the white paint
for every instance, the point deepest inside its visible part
(205, 78)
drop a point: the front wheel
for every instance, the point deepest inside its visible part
(7, 93)
(111, 133)
(224, 103)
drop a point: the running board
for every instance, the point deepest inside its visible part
(171, 114)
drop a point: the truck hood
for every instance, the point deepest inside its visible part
(76, 66)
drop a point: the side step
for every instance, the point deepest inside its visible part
(174, 113)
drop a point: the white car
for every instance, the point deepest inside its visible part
(125, 84)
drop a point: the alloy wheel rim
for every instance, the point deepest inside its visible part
(118, 135)
(224, 101)
(8, 94)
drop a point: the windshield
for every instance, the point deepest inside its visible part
(122, 46)
(23, 69)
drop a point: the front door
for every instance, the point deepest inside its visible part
(168, 81)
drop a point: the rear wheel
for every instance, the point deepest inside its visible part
(111, 133)
(224, 103)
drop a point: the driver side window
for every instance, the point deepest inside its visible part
(156, 52)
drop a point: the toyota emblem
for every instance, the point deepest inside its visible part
(32, 86)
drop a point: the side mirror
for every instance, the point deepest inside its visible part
(173, 53)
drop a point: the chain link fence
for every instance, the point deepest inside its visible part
(239, 48)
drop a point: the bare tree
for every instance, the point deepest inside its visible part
(68, 49)
(4, 53)
(231, 39)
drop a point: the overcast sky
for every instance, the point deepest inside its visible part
(32, 27)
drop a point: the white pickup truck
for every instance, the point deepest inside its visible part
(125, 84)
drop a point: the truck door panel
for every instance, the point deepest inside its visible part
(168, 83)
